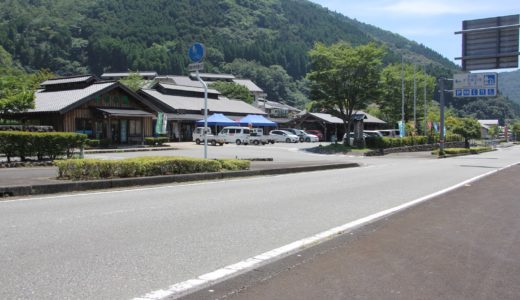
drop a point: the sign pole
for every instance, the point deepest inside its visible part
(414, 97)
(441, 129)
(205, 114)
(196, 53)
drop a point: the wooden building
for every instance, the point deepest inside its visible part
(104, 110)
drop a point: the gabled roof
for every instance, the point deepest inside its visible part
(66, 100)
(327, 118)
(196, 104)
(273, 104)
(175, 87)
(69, 79)
(184, 81)
(58, 101)
(213, 76)
(488, 122)
(250, 85)
(126, 74)
(335, 120)
(369, 118)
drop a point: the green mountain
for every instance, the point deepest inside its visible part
(272, 36)
(509, 85)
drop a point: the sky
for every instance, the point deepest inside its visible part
(428, 22)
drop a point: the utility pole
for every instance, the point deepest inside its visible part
(425, 104)
(402, 91)
(414, 98)
(441, 129)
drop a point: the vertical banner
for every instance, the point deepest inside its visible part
(164, 124)
(402, 130)
(436, 127)
(158, 123)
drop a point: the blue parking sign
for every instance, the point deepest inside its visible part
(466, 92)
(458, 93)
(491, 92)
(474, 92)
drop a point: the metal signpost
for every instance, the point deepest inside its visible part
(196, 54)
(475, 85)
(490, 43)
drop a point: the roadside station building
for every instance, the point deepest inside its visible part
(104, 110)
(181, 99)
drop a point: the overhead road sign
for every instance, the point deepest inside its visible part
(490, 43)
(197, 52)
(475, 85)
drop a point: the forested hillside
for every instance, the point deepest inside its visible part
(509, 85)
(73, 36)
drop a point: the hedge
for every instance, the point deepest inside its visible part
(155, 141)
(456, 151)
(40, 144)
(77, 169)
(385, 142)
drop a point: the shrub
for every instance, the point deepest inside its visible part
(155, 141)
(385, 142)
(92, 143)
(458, 151)
(143, 166)
(40, 144)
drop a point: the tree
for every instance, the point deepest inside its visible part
(516, 130)
(345, 78)
(233, 91)
(468, 128)
(494, 131)
(17, 89)
(134, 81)
(391, 92)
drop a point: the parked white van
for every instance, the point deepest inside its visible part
(235, 134)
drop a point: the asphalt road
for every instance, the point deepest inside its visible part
(124, 244)
(462, 245)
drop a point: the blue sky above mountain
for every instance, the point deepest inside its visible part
(431, 23)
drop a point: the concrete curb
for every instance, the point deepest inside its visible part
(74, 186)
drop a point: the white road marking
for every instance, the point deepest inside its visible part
(183, 288)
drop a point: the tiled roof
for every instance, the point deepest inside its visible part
(328, 118)
(196, 104)
(58, 100)
(273, 104)
(126, 74)
(175, 87)
(335, 120)
(74, 79)
(251, 86)
(213, 76)
(370, 118)
(185, 81)
(126, 112)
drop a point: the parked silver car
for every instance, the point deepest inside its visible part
(283, 136)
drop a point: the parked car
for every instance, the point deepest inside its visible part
(316, 133)
(309, 137)
(198, 137)
(366, 134)
(235, 134)
(298, 132)
(257, 137)
(283, 136)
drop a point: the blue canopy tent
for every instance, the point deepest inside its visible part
(218, 120)
(256, 120)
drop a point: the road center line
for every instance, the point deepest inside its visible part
(185, 287)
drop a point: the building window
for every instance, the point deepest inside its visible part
(84, 126)
(134, 128)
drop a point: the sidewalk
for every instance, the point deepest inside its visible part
(461, 245)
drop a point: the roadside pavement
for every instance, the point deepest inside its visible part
(461, 245)
(43, 180)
